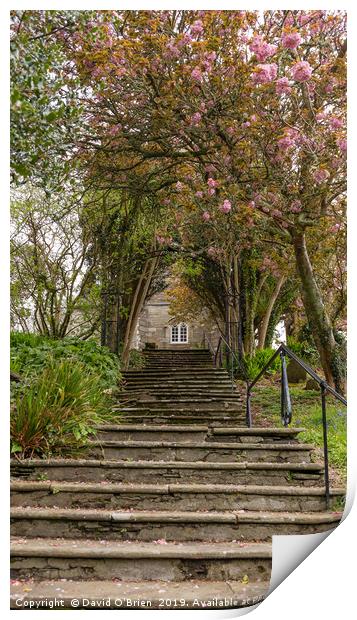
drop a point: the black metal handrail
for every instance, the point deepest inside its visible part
(286, 408)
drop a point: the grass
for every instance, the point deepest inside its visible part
(306, 405)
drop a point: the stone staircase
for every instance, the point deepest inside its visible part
(174, 507)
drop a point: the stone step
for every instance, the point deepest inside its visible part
(175, 394)
(188, 404)
(180, 419)
(201, 451)
(168, 497)
(216, 386)
(157, 409)
(178, 352)
(55, 558)
(196, 373)
(81, 470)
(182, 595)
(162, 432)
(174, 526)
(183, 385)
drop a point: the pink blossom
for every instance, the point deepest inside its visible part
(276, 213)
(246, 125)
(335, 228)
(196, 118)
(301, 71)
(226, 206)
(196, 74)
(290, 138)
(199, 194)
(212, 252)
(206, 216)
(320, 116)
(172, 51)
(295, 206)
(230, 131)
(291, 40)
(261, 49)
(304, 18)
(251, 204)
(211, 191)
(285, 143)
(335, 122)
(212, 182)
(185, 39)
(161, 240)
(265, 73)
(333, 82)
(179, 186)
(321, 175)
(342, 144)
(254, 118)
(197, 27)
(282, 86)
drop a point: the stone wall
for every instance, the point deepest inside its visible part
(154, 327)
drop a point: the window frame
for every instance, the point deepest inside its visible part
(179, 327)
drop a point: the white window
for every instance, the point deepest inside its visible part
(179, 334)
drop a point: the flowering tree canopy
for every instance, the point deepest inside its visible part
(234, 120)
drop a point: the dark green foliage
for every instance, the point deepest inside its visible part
(31, 354)
(58, 410)
(304, 349)
(254, 365)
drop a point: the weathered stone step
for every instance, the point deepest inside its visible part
(195, 373)
(168, 418)
(137, 432)
(188, 404)
(175, 395)
(157, 409)
(174, 526)
(192, 594)
(215, 386)
(302, 474)
(201, 451)
(162, 432)
(87, 559)
(169, 497)
(179, 385)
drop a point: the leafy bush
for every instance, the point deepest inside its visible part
(31, 354)
(57, 411)
(305, 350)
(136, 359)
(254, 365)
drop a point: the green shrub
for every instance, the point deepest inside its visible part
(305, 350)
(57, 411)
(136, 359)
(254, 365)
(31, 354)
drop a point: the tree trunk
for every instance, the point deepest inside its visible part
(137, 305)
(263, 328)
(317, 316)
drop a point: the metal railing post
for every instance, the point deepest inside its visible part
(248, 413)
(326, 463)
(285, 408)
